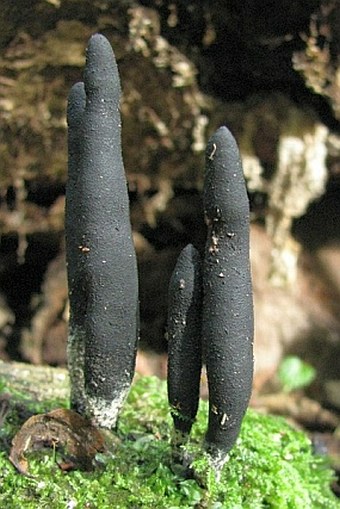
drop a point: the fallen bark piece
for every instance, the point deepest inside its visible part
(77, 439)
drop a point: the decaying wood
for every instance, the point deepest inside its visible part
(63, 430)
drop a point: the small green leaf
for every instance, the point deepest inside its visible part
(294, 373)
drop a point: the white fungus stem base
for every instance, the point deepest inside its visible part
(217, 459)
(76, 360)
(100, 412)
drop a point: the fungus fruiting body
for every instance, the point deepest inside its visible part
(227, 313)
(184, 336)
(210, 309)
(210, 302)
(102, 269)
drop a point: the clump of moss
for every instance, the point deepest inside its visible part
(272, 466)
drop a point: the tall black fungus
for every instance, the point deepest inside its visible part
(102, 269)
(184, 336)
(227, 317)
(210, 307)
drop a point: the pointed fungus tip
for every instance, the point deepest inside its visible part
(220, 137)
(98, 42)
(101, 75)
(189, 252)
(99, 53)
(76, 103)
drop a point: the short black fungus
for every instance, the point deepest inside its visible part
(184, 336)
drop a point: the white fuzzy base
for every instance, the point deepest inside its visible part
(217, 459)
(76, 360)
(102, 413)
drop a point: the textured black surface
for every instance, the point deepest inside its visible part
(184, 335)
(227, 323)
(77, 295)
(102, 271)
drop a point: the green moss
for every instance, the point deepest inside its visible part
(272, 466)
